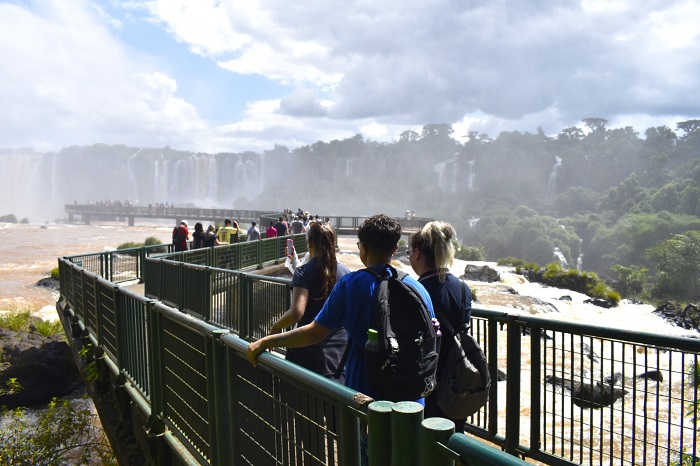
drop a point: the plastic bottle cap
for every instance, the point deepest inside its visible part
(372, 334)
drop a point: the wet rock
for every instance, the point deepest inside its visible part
(589, 353)
(565, 298)
(480, 273)
(652, 375)
(687, 318)
(614, 379)
(49, 282)
(588, 395)
(600, 302)
(43, 367)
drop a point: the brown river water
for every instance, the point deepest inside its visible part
(29, 252)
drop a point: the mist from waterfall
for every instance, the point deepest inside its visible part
(37, 186)
(471, 175)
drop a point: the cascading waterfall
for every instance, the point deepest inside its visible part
(471, 170)
(141, 176)
(447, 175)
(560, 257)
(552, 182)
(132, 178)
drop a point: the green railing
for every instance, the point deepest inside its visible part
(201, 396)
(545, 410)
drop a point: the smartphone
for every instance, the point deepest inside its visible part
(290, 246)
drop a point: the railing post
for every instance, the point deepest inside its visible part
(512, 438)
(142, 264)
(493, 369)
(260, 254)
(436, 431)
(535, 384)
(246, 289)
(379, 432)
(406, 418)
(217, 381)
(349, 437)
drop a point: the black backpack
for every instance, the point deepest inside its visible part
(404, 367)
(464, 384)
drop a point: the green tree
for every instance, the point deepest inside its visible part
(631, 281)
(63, 433)
(677, 262)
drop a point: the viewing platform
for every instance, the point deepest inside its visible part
(87, 213)
(173, 358)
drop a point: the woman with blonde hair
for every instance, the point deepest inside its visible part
(311, 285)
(431, 253)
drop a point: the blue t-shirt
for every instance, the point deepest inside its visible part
(350, 306)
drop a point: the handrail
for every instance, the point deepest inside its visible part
(562, 426)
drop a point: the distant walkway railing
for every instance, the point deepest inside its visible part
(574, 394)
(89, 212)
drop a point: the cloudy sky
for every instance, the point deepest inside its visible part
(229, 75)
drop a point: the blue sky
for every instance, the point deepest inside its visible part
(231, 76)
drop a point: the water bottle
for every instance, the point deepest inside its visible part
(372, 345)
(372, 363)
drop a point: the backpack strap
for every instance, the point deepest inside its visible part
(445, 322)
(380, 275)
(343, 360)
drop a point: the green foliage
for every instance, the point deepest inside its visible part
(13, 387)
(510, 262)
(54, 273)
(16, 321)
(10, 218)
(63, 433)
(130, 245)
(152, 241)
(470, 253)
(47, 329)
(677, 262)
(631, 281)
(553, 274)
(22, 321)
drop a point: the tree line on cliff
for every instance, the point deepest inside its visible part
(627, 206)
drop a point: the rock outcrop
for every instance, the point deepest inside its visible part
(687, 317)
(43, 367)
(480, 273)
(588, 395)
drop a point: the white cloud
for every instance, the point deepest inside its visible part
(355, 67)
(68, 80)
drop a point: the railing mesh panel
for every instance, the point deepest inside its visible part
(185, 384)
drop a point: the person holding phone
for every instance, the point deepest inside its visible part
(311, 285)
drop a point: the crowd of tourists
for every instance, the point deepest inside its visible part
(287, 224)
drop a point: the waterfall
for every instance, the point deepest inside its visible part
(552, 182)
(447, 175)
(473, 221)
(471, 170)
(560, 257)
(579, 262)
(142, 176)
(132, 179)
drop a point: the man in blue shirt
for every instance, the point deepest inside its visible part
(351, 303)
